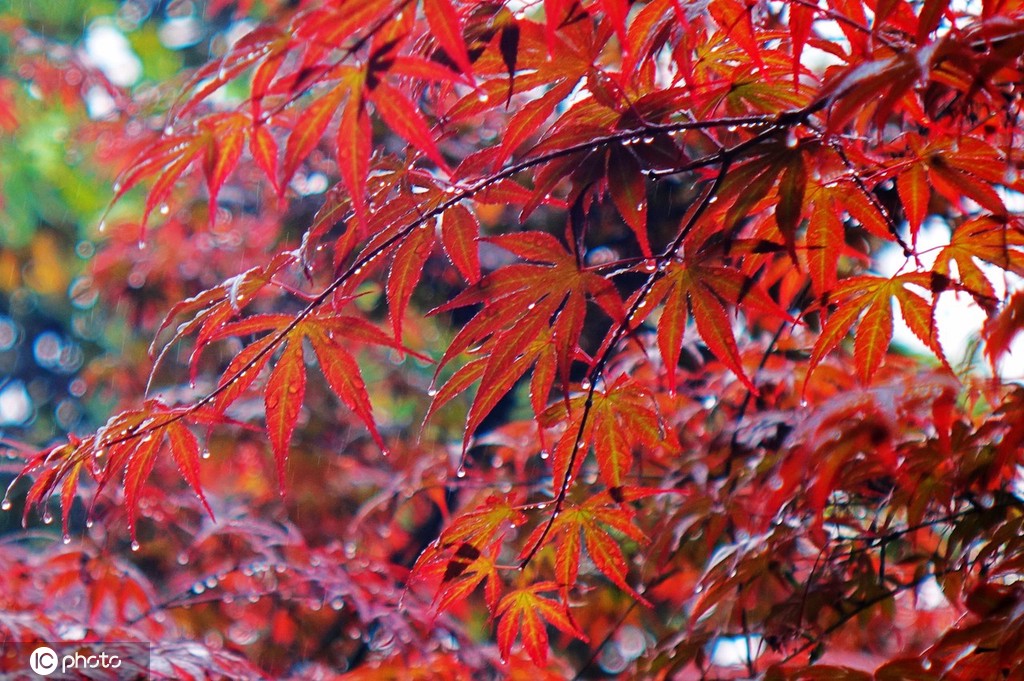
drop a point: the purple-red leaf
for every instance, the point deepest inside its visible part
(283, 400)
(628, 188)
(459, 233)
(406, 270)
(185, 452)
(405, 119)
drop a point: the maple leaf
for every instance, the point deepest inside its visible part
(185, 452)
(406, 269)
(305, 138)
(620, 418)
(914, 192)
(1000, 330)
(872, 297)
(479, 527)
(166, 160)
(986, 239)
(693, 289)
(525, 613)
(531, 312)
(283, 399)
(461, 573)
(213, 308)
(589, 522)
(459, 233)
(286, 384)
(445, 25)
(628, 189)
(354, 148)
(466, 552)
(404, 118)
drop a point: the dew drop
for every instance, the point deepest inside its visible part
(66, 538)
(182, 558)
(337, 604)
(545, 455)
(432, 392)
(90, 522)
(483, 97)
(47, 518)
(461, 473)
(136, 546)
(103, 226)
(165, 209)
(206, 454)
(6, 505)
(169, 130)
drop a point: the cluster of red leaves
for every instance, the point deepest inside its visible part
(691, 201)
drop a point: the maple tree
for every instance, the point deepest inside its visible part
(503, 339)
